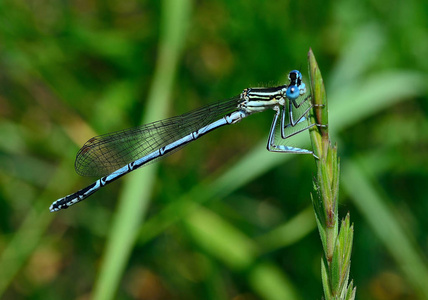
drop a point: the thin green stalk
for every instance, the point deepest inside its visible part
(337, 245)
(133, 201)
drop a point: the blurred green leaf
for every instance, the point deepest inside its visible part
(133, 201)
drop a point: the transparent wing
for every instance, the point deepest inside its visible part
(104, 154)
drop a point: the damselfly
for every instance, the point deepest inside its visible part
(115, 154)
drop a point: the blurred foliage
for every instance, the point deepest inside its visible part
(224, 218)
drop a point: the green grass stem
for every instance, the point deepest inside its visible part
(134, 200)
(337, 245)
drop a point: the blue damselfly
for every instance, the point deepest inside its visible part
(115, 154)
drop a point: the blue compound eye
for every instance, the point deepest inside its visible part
(293, 92)
(295, 77)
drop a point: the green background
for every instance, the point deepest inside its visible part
(223, 218)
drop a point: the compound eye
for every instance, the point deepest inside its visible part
(295, 77)
(293, 92)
